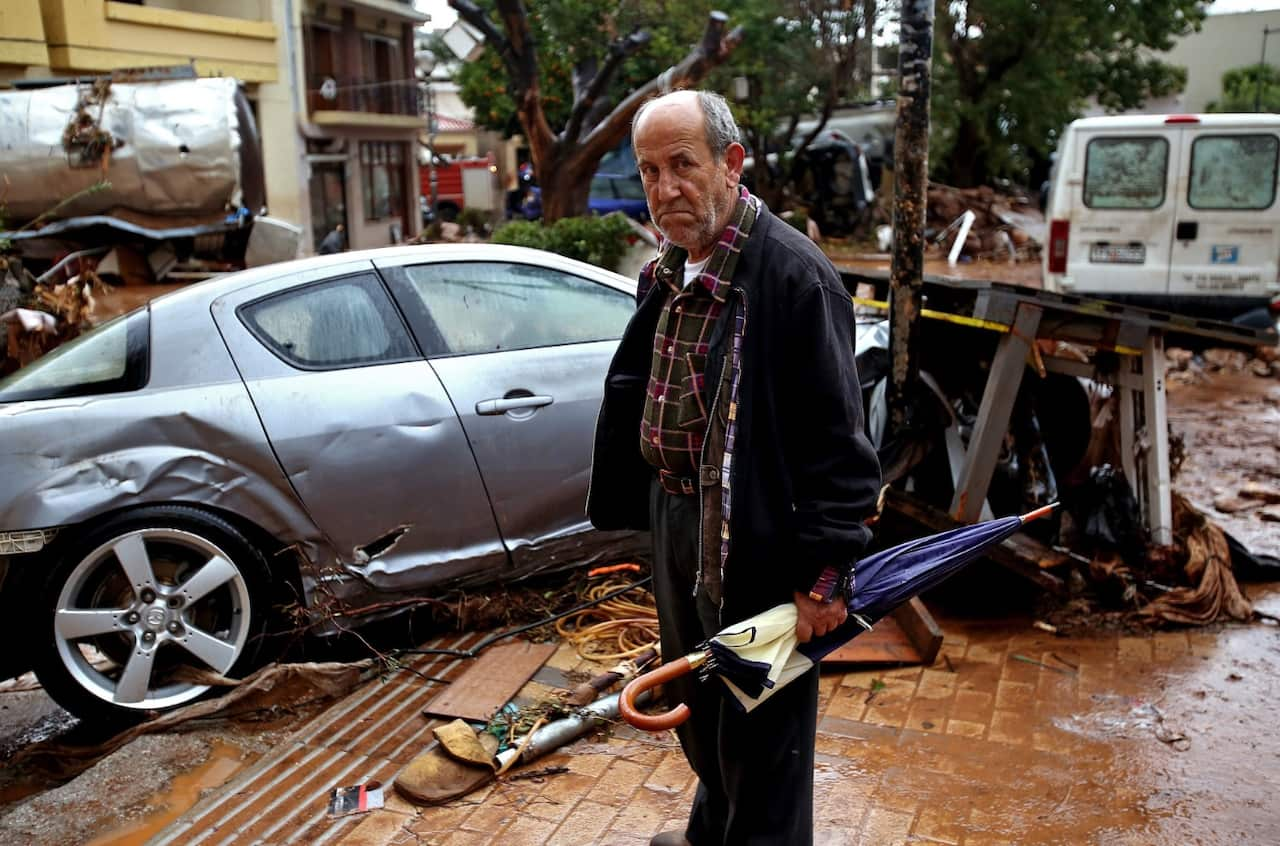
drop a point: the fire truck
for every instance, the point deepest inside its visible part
(469, 182)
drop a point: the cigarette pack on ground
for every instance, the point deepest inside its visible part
(355, 800)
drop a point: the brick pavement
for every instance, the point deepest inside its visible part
(1013, 736)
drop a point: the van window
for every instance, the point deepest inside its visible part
(1233, 172)
(1125, 173)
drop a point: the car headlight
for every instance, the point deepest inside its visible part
(28, 540)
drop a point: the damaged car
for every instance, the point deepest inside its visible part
(335, 433)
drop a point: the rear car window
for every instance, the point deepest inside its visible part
(482, 307)
(1126, 173)
(107, 360)
(1233, 172)
(344, 323)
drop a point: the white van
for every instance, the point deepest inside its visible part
(1170, 211)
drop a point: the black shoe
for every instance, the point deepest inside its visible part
(669, 838)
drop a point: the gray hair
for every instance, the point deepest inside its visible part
(717, 120)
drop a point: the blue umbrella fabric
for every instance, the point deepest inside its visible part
(758, 656)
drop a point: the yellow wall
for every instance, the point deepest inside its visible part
(101, 35)
(22, 34)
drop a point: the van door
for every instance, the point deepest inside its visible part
(1227, 229)
(1122, 221)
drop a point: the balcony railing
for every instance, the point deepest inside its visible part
(357, 94)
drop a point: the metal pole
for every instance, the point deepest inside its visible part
(1262, 67)
(910, 184)
(431, 148)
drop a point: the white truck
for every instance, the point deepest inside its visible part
(1175, 212)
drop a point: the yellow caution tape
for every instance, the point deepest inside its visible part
(962, 320)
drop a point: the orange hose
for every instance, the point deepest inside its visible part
(613, 568)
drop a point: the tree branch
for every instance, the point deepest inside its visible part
(582, 105)
(520, 55)
(710, 53)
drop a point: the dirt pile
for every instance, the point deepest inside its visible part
(1005, 226)
(1187, 367)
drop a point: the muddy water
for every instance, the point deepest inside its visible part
(180, 796)
(1158, 741)
(1022, 273)
(115, 300)
(1231, 427)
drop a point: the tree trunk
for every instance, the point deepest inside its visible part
(566, 190)
(967, 167)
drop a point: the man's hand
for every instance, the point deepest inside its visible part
(817, 618)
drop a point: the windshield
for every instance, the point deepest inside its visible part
(109, 359)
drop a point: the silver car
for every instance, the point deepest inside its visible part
(344, 431)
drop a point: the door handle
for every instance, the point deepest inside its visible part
(1187, 230)
(502, 406)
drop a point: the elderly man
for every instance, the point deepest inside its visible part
(732, 428)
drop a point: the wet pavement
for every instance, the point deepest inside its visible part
(1230, 423)
(1012, 736)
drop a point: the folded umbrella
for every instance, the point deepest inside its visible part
(760, 655)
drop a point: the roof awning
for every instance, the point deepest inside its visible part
(404, 11)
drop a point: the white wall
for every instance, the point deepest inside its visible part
(1225, 42)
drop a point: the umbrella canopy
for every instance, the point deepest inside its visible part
(758, 656)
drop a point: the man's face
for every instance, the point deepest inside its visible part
(690, 194)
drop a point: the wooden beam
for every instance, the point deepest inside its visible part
(1021, 554)
(989, 430)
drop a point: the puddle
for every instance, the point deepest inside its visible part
(224, 761)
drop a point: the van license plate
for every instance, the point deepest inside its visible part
(1118, 253)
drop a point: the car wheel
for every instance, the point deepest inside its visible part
(139, 613)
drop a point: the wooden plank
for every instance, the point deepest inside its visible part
(915, 513)
(993, 414)
(489, 683)
(1158, 500)
(907, 636)
(886, 643)
(920, 628)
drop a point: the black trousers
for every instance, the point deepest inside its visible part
(755, 771)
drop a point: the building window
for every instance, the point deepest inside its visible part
(382, 163)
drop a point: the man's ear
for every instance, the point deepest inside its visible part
(734, 155)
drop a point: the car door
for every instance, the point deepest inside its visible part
(1122, 221)
(1228, 226)
(362, 426)
(526, 350)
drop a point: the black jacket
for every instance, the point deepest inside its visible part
(804, 475)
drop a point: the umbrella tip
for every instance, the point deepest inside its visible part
(1043, 511)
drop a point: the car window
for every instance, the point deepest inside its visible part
(601, 188)
(1233, 172)
(344, 323)
(109, 359)
(629, 189)
(482, 307)
(1125, 173)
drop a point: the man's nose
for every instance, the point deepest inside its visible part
(668, 186)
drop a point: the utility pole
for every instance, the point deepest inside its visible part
(1262, 67)
(910, 187)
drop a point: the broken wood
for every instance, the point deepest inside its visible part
(491, 681)
(907, 636)
(1020, 553)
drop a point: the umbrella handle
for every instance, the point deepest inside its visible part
(653, 678)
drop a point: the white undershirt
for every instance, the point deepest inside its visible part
(692, 269)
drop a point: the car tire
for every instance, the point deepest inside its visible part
(129, 609)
